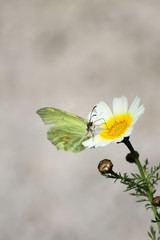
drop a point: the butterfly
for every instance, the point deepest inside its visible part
(68, 131)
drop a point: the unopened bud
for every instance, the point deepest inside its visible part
(131, 158)
(156, 201)
(105, 166)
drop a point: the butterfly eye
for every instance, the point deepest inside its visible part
(90, 124)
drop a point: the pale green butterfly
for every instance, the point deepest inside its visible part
(68, 131)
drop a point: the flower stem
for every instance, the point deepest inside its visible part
(149, 191)
(130, 147)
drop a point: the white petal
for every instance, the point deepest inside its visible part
(135, 110)
(99, 142)
(128, 131)
(138, 115)
(134, 105)
(96, 142)
(120, 105)
(103, 111)
(88, 143)
(116, 140)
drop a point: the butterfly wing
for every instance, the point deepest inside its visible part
(69, 130)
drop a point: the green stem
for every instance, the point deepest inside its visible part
(144, 176)
(129, 180)
(130, 147)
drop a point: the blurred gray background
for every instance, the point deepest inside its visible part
(71, 54)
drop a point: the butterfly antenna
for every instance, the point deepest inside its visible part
(93, 114)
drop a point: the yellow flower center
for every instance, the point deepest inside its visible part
(116, 126)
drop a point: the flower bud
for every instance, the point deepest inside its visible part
(131, 158)
(156, 201)
(105, 166)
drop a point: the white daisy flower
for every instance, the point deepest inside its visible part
(116, 125)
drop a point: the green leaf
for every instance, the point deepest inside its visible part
(152, 233)
(69, 130)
